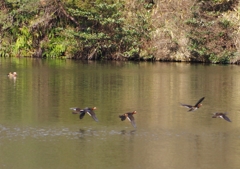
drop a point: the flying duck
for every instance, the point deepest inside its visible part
(195, 107)
(82, 112)
(129, 116)
(221, 115)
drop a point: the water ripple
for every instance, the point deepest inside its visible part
(15, 133)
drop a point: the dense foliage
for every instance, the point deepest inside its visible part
(176, 30)
(211, 36)
(86, 29)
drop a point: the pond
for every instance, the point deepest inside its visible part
(38, 129)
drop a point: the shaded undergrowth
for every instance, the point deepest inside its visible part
(185, 30)
(74, 29)
(210, 35)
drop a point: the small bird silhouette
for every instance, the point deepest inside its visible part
(195, 107)
(129, 116)
(221, 115)
(82, 112)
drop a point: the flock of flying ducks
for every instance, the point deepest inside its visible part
(129, 115)
(198, 105)
(90, 112)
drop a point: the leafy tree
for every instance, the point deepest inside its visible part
(88, 29)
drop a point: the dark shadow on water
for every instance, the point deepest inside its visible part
(81, 133)
(123, 132)
(132, 132)
(86, 133)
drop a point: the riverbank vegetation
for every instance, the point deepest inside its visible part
(177, 30)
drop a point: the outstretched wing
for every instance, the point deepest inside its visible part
(92, 114)
(186, 105)
(214, 115)
(196, 105)
(76, 110)
(226, 118)
(82, 114)
(131, 119)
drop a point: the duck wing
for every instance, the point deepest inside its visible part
(122, 117)
(92, 114)
(214, 115)
(186, 105)
(76, 110)
(131, 119)
(226, 118)
(196, 105)
(82, 114)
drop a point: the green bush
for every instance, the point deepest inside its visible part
(74, 29)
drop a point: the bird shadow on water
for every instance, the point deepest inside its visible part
(84, 133)
(81, 133)
(124, 132)
(87, 133)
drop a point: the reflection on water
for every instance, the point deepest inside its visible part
(37, 129)
(124, 132)
(146, 146)
(52, 133)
